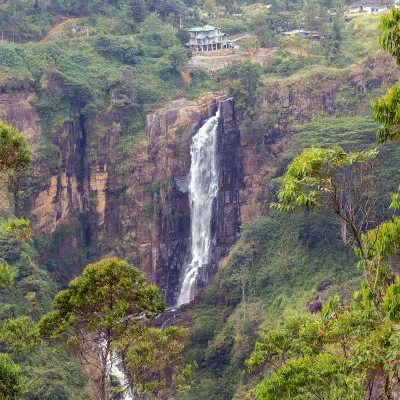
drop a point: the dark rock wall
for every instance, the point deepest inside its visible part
(172, 215)
(227, 218)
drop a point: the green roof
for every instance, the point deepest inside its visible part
(206, 28)
(209, 28)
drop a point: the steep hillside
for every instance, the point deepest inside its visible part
(286, 264)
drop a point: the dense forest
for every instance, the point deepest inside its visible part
(101, 105)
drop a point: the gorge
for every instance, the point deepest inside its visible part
(134, 203)
(95, 190)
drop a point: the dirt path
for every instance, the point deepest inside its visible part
(241, 37)
(186, 76)
(295, 51)
(56, 28)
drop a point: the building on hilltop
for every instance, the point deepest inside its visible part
(300, 32)
(372, 6)
(208, 38)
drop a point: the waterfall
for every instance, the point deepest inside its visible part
(116, 373)
(203, 188)
(116, 370)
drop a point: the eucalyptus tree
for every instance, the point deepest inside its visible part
(106, 311)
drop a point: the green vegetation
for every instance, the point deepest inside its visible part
(350, 132)
(230, 26)
(14, 153)
(26, 290)
(148, 211)
(271, 274)
(11, 382)
(353, 344)
(201, 82)
(108, 308)
(157, 186)
(125, 59)
(283, 281)
(74, 81)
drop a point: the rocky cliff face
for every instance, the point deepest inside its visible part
(171, 222)
(231, 181)
(94, 187)
(131, 202)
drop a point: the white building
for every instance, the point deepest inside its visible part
(371, 6)
(208, 38)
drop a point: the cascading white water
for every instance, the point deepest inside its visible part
(203, 188)
(115, 371)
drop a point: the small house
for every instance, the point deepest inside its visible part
(371, 6)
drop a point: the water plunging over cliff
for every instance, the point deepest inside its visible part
(203, 188)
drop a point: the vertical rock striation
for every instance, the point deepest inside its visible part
(94, 186)
(170, 133)
(227, 218)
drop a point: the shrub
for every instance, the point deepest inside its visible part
(123, 49)
(230, 26)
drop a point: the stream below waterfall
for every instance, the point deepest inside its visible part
(203, 189)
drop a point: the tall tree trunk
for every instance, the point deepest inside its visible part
(104, 385)
(104, 377)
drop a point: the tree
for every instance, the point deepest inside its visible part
(331, 43)
(155, 33)
(343, 183)
(249, 45)
(386, 108)
(154, 361)
(266, 37)
(131, 12)
(312, 20)
(311, 14)
(184, 36)
(11, 382)
(139, 10)
(333, 180)
(210, 6)
(14, 157)
(125, 16)
(175, 59)
(14, 153)
(244, 84)
(268, 27)
(343, 352)
(102, 311)
(170, 7)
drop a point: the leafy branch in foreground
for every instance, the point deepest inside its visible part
(344, 352)
(340, 340)
(334, 180)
